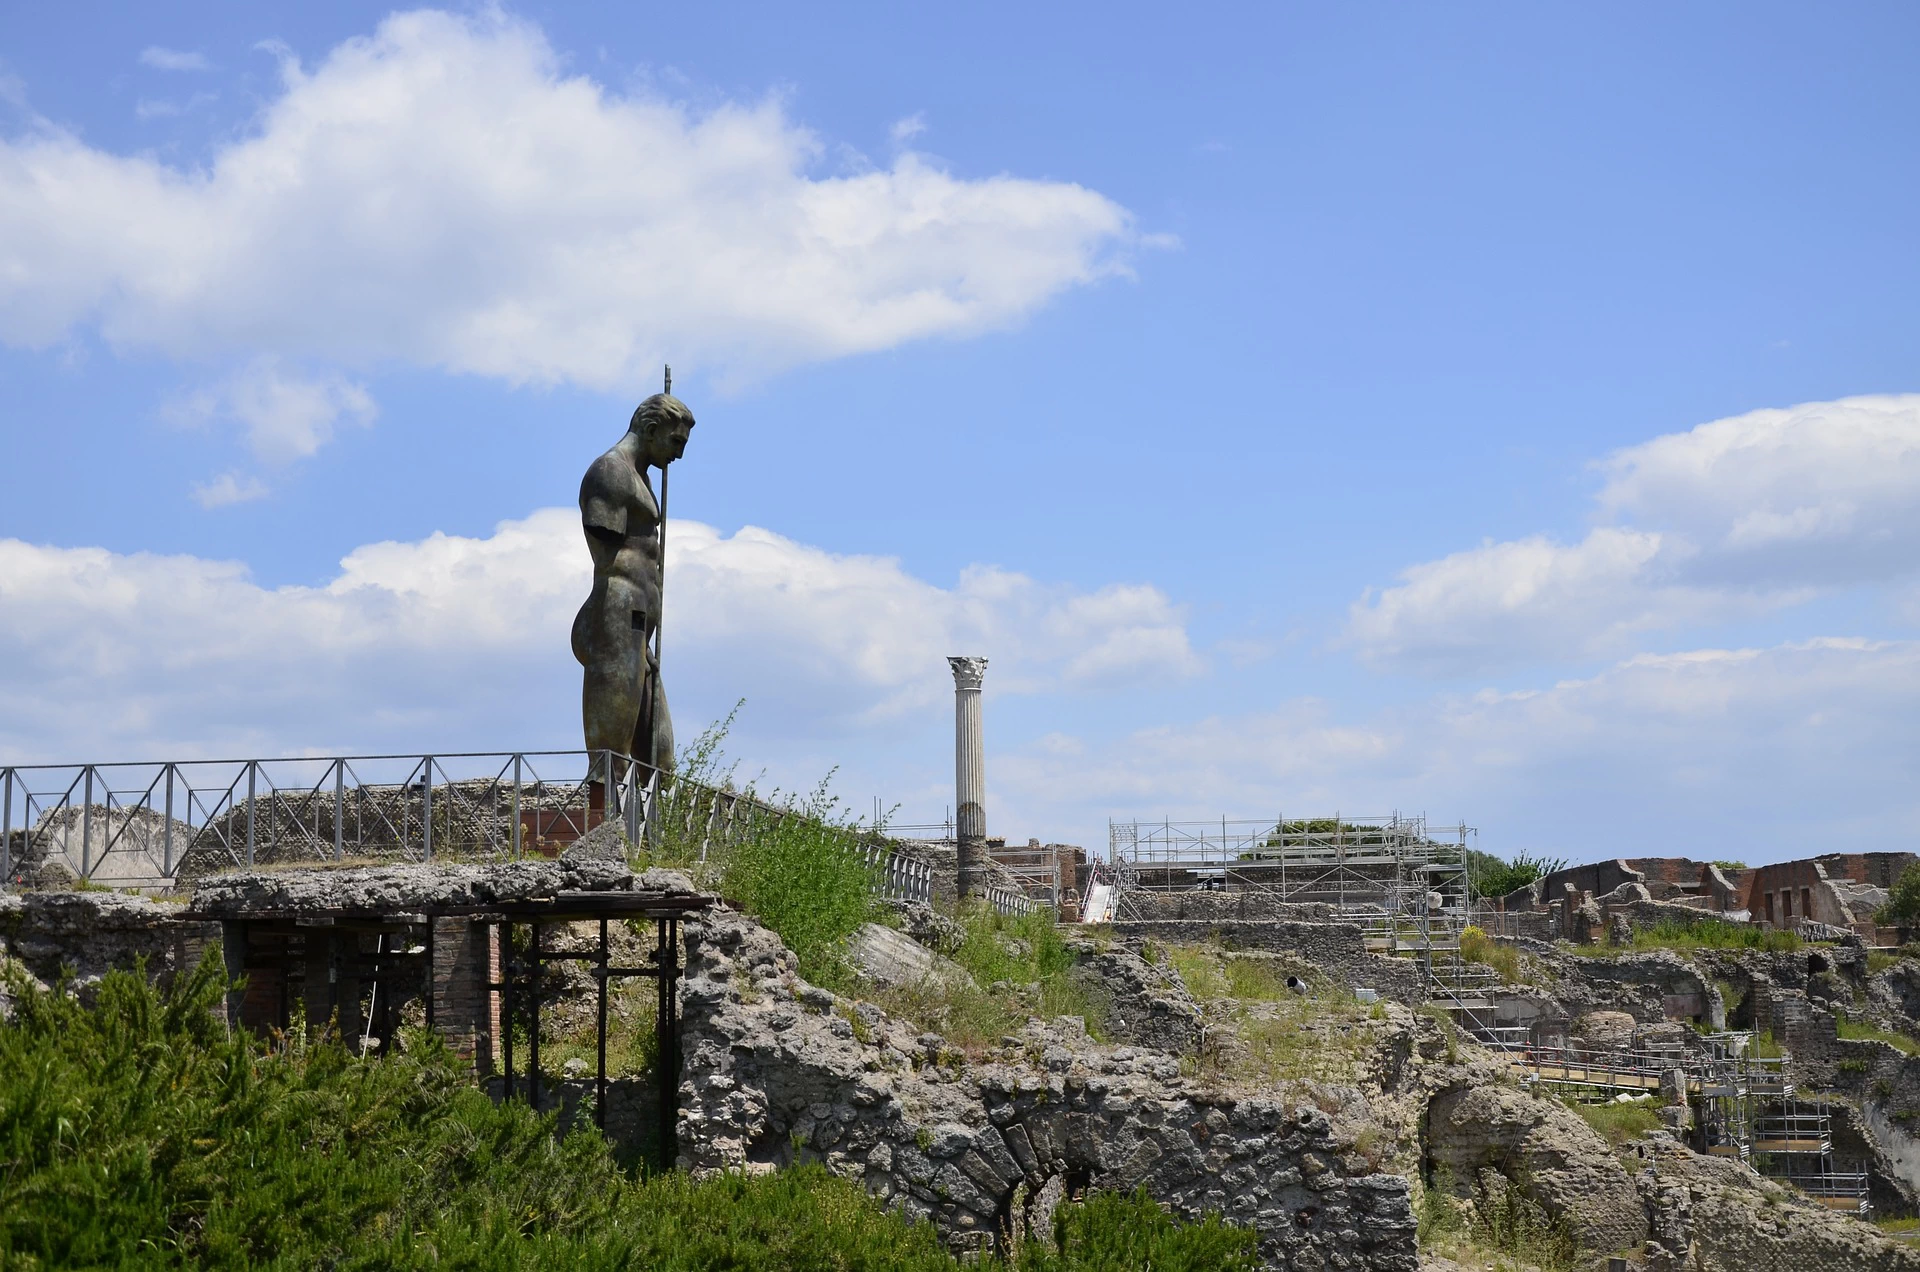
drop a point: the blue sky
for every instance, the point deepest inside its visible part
(1502, 412)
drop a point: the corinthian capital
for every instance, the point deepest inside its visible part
(968, 672)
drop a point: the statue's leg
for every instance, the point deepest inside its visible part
(611, 690)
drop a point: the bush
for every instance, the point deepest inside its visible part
(1620, 1123)
(1493, 877)
(806, 877)
(1903, 901)
(140, 1134)
(1477, 947)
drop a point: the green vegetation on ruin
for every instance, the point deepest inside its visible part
(1861, 1031)
(1477, 947)
(1505, 1235)
(140, 1132)
(1903, 901)
(1018, 967)
(1620, 1122)
(1274, 1034)
(1493, 876)
(1704, 933)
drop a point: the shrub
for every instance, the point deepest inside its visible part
(1861, 1031)
(1477, 947)
(1903, 901)
(1114, 1233)
(1491, 876)
(806, 877)
(1620, 1123)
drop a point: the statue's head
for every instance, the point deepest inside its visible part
(662, 424)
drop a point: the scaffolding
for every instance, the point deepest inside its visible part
(1366, 867)
(1745, 1107)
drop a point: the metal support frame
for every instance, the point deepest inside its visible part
(519, 987)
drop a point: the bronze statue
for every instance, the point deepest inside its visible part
(616, 633)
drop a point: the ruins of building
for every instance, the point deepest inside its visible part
(1825, 894)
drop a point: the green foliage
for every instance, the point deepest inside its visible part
(1731, 865)
(1620, 1123)
(1903, 901)
(140, 1133)
(805, 876)
(1477, 947)
(1508, 1225)
(797, 863)
(1861, 1031)
(1703, 933)
(1114, 1233)
(1493, 877)
(1025, 952)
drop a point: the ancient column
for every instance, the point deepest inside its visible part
(970, 773)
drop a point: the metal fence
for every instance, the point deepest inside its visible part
(152, 824)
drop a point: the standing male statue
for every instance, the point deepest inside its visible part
(614, 635)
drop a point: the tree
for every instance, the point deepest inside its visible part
(1903, 901)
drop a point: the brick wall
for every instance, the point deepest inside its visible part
(466, 959)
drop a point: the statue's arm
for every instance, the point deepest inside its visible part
(603, 514)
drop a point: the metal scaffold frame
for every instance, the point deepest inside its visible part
(1387, 866)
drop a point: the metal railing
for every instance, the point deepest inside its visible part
(897, 876)
(149, 824)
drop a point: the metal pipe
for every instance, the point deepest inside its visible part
(86, 827)
(166, 830)
(426, 805)
(533, 1020)
(6, 828)
(339, 808)
(253, 770)
(516, 807)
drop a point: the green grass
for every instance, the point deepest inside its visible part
(1477, 947)
(1505, 1234)
(140, 1133)
(1024, 951)
(1860, 1031)
(1620, 1123)
(1698, 934)
(1199, 969)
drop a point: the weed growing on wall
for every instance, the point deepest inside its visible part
(796, 863)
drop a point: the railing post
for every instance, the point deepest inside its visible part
(516, 806)
(426, 806)
(339, 807)
(86, 825)
(632, 809)
(253, 773)
(6, 827)
(166, 828)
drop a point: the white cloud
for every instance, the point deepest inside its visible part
(229, 488)
(462, 642)
(1757, 754)
(443, 193)
(161, 59)
(1816, 494)
(905, 130)
(282, 415)
(166, 108)
(1743, 515)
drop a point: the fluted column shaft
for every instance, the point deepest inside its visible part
(970, 773)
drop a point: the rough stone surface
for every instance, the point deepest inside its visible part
(89, 933)
(396, 889)
(1709, 1214)
(1144, 1004)
(777, 1071)
(892, 959)
(1543, 1148)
